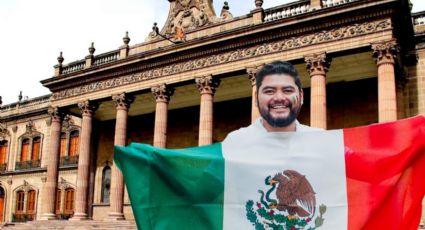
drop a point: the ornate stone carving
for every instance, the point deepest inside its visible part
(230, 56)
(225, 12)
(162, 93)
(29, 127)
(4, 133)
(43, 179)
(186, 15)
(318, 64)
(252, 71)
(207, 84)
(56, 115)
(385, 52)
(122, 100)
(9, 181)
(15, 128)
(88, 107)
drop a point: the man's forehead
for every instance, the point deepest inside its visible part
(278, 79)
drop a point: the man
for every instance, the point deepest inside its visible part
(279, 99)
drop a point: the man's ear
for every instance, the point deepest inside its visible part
(302, 96)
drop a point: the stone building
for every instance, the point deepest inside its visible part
(190, 83)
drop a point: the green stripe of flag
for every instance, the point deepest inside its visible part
(174, 189)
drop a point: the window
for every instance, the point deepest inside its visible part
(20, 196)
(73, 143)
(25, 149)
(63, 145)
(106, 184)
(35, 155)
(31, 202)
(3, 152)
(58, 201)
(69, 200)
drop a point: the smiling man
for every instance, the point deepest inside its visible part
(279, 98)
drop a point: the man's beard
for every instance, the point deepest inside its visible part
(279, 122)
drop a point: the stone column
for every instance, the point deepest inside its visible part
(87, 110)
(252, 71)
(122, 104)
(49, 190)
(162, 94)
(317, 66)
(207, 86)
(385, 54)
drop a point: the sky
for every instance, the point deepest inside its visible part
(32, 33)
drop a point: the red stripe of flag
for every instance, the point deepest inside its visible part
(385, 167)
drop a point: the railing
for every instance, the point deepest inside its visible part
(106, 57)
(23, 217)
(330, 3)
(27, 164)
(3, 167)
(68, 160)
(287, 10)
(26, 103)
(74, 67)
(418, 18)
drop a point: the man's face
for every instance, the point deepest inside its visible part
(279, 100)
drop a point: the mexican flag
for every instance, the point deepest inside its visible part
(369, 177)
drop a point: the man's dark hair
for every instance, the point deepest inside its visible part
(278, 67)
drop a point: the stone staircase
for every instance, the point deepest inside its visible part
(71, 225)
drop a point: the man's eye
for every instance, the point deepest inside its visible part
(268, 91)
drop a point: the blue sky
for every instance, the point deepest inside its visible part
(34, 32)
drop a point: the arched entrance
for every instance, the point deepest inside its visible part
(2, 199)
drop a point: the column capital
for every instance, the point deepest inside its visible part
(162, 93)
(122, 101)
(88, 107)
(385, 52)
(318, 64)
(207, 84)
(56, 115)
(252, 72)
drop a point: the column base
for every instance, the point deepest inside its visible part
(79, 216)
(116, 216)
(48, 216)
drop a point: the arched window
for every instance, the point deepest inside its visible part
(106, 184)
(63, 145)
(25, 149)
(31, 202)
(58, 201)
(35, 155)
(3, 151)
(73, 143)
(20, 197)
(69, 201)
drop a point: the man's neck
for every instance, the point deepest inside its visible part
(290, 128)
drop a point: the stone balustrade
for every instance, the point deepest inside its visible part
(286, 11)
(106, 57)
(418, 18)
(330, 3)
(73, 67)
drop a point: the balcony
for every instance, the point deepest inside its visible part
(27, 164)
(68, 160)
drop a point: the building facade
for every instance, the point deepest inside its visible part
(192, 82)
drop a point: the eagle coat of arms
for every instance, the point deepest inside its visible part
(293, 209)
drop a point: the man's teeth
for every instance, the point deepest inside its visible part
(279, 106)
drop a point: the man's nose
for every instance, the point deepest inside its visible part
(279, 96)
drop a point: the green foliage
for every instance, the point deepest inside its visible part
(277, 221)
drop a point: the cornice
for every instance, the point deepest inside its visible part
(236, 54)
